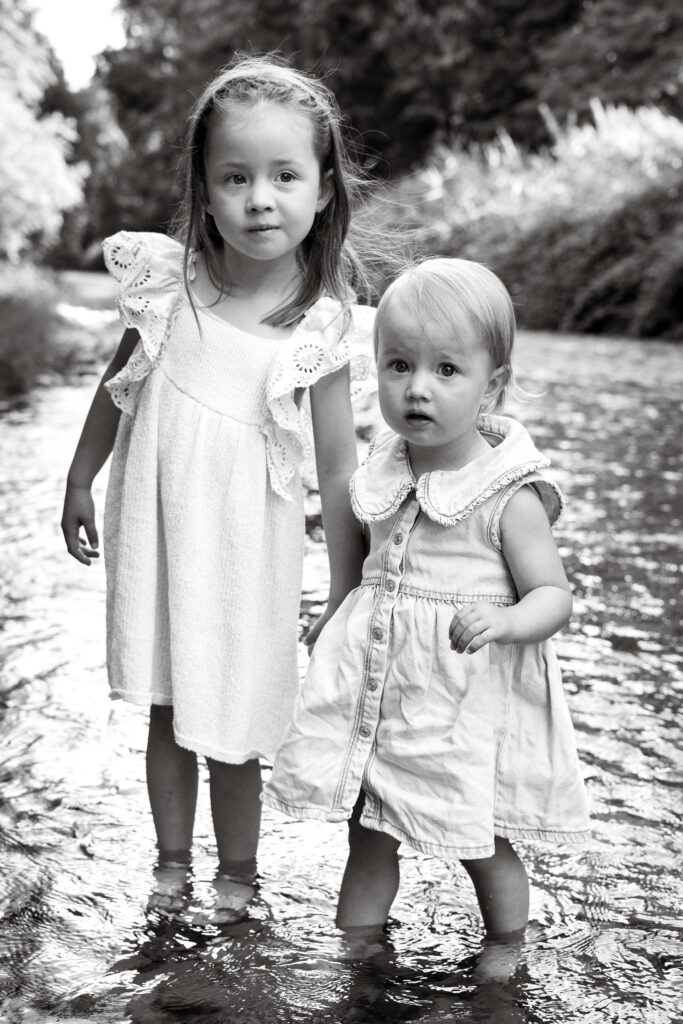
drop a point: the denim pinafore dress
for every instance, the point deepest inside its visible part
(450, 750)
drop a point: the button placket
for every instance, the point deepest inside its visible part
(383, 608)
(374, 673)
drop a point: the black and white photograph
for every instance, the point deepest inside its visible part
(341, 673)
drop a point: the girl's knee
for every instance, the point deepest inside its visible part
(161, 722)
(239, 773)
(161, 714)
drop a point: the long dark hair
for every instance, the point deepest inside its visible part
(329, 262)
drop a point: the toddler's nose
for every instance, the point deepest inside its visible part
(418, 386)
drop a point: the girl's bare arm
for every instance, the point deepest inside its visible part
(336, 459)
(92, 451)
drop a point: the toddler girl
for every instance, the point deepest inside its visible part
(203, 527)
(433, 711)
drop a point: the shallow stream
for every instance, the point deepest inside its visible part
(76, 840)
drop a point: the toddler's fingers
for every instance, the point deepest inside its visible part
(461, 619)
(461, 642)
(478, 642)
(455, 632)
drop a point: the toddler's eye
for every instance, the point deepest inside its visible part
(399, 365)
(447, 369)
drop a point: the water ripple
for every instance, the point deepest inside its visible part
(605, 941)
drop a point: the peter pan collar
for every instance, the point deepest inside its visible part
(384, 481)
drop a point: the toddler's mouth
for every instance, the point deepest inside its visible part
(418, 417)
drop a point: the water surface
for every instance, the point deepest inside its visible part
(77, 844)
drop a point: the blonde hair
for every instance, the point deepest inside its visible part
(442, 289)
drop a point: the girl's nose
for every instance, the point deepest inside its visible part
(260, 197)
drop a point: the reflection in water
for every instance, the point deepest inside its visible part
(77, 843)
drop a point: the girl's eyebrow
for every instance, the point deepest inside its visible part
(276, 162)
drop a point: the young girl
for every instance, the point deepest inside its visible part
(203, 524)
(433, 712)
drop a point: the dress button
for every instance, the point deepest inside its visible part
(378, 634)
(364, 731)
(398, 539)
(390, 585)
(372, 684)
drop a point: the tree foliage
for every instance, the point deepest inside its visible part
(37, 183)
(409, 74)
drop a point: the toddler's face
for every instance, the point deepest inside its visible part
(432, 378)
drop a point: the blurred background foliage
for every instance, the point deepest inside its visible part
(544, 137)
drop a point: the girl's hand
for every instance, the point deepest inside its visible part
(476, 625)
(79, 511)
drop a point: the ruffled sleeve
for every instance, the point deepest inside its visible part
(329, 336)
(149, 268)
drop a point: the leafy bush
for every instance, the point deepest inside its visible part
(588, 236)
(619, 274)
(27, 318)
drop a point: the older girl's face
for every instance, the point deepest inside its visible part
(432, 379)
(263, 179)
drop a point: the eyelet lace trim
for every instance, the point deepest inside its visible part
(149, 268)
(329, 336)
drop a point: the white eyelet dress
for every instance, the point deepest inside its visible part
(204, 528)
(449, 749)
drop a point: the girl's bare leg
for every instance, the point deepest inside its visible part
(502, 889)
(236, 810)
(371, 879)
(172, 787)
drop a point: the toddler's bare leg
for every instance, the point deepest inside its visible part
(172, 787)
(236, 810)
(502, 889)
(370, 880)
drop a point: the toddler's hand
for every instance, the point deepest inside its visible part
(314, 631)
(476, 625)
(79, 510)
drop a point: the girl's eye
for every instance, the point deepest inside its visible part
(287, 177)
(235, 179)
(447, 369)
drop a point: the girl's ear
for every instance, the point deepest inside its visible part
(325, 192)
